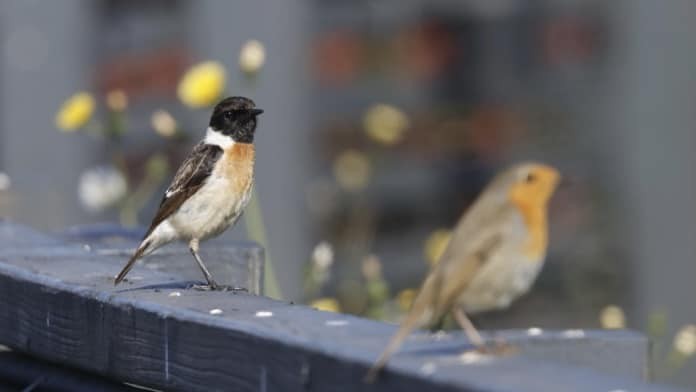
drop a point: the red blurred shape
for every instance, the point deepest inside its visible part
(157, 72)
(568, 40)
(338, 56)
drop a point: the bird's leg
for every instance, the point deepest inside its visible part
(471, 332)
(193, 246)
(500, 347)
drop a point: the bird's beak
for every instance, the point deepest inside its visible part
(255, 112)
(567, 182)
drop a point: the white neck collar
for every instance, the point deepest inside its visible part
(218, 139)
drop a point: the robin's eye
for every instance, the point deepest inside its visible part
(530, 178)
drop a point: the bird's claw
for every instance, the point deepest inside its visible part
(498, 347)
(216, 287)
(204, 287)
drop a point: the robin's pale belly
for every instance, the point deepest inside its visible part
(499, 283)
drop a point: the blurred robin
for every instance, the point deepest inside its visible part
(211, 188)
(495, 253)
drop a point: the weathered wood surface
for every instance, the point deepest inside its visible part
(19, 372)
(60, 305)
(238, 265)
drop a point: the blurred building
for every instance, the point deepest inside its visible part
(454, 90)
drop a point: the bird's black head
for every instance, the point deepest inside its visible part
(235, 117)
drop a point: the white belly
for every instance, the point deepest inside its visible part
(210, 211)
(500, 281)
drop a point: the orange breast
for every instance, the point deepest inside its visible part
(239, 167)
(537, 230)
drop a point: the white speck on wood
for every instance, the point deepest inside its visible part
(175, 294)
(428, 368)
(336, 323)
(534, 331)
(264, 313)
(440, 335)
(215, 311)
(574, 333)
(473, 357)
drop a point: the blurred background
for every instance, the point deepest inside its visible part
(384, 119)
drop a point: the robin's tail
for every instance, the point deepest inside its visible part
(421, 313)
(138, 254)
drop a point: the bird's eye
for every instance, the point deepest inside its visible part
(229, 115)
(530, 178)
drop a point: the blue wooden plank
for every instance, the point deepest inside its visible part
(155, 332)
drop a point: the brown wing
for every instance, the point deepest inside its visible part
(191, 175)
(457, 273)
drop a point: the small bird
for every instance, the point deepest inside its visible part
(494, 255)
(210, 189)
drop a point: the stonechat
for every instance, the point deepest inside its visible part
(211, 188)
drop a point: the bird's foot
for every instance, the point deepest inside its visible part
(233, 289)
(212, 286)
(498, 347)
(204, 287)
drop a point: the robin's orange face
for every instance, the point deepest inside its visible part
(533, 186)
(530, 191)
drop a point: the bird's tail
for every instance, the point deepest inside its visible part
(138, 254)
(421, 313)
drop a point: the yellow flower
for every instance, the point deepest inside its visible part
(163, 123)
(75, 112)
(352, 170)
(405, 298)
(252, 56)
(685, 340)
(326, 304)
(612, 317)
(385, 124)
(435, 245)
(202, 85)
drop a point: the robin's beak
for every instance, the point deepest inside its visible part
(567, 182)
(255, 112)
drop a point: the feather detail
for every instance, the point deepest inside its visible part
(138, 253)
(420, 314)
(188, 179)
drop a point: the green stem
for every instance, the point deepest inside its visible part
(256, 231)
